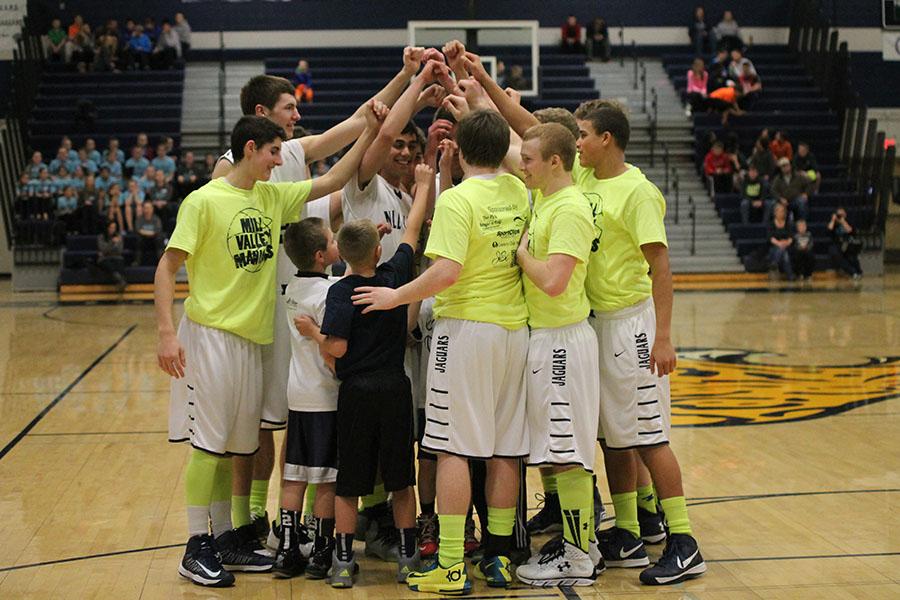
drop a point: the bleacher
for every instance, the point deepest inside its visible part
(342, 83)
(791, 102)
(126, 104)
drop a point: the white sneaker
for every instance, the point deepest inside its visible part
(561, 565)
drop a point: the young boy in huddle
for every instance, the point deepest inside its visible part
(374, 407)
(312, 391)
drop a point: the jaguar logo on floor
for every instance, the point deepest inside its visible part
(739, 387)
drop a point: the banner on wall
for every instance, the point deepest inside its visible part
(11, 14)
(890, 45)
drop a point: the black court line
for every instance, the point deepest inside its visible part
(97, 433)
(88, 557)
(808, 557)
(47, 316)
(569, 593)
(21, 435)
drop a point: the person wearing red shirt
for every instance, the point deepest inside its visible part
(781, 147)
(571, 36)
(719, 166)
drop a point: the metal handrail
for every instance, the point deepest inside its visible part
(622, 46)
(665, 148)
(676, 185)
(654, 116)
(643, 87)
(634, 56)
(693, 217)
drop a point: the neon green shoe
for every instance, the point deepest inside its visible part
(495, 571)
(438, 580)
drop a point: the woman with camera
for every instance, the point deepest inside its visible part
(845, 246)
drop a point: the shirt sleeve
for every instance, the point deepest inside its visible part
(645, 220)
(572, 232)
(357, 203)
(338, 317)
(449, 237)
(292, 196)
(400, 266)
(187, 227)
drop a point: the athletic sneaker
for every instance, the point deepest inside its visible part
(470, 542)
(368, 516)
(428, 534)
(274, 537)
(383, 539)
(246, 535)
(236, 557)
(320, 562)
(621, 549)
(495, 571)
(596, 557)
(549, 518)
(289, 562)
(599, 511)
(342, 573)
(563, 565)
(679, 561)
(201, 563)
(453, 581)
(405, 566)
(652, 529)
(261, 525)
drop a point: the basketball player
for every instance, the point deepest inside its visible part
(226, 235)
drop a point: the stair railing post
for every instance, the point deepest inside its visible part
(693, 215)
(634, 56)
(643, 86)
(665, 148)
(676, 186)
(622, 46)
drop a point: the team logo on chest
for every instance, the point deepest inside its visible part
(249, 240)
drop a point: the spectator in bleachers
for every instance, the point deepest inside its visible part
(755, 202)
(62, 178)
(736, 63)
(209, 164)
(697, 83)
(136, 163)
(148, 179)
(301, 78)
(86, 163)
(110, 248)
(725, 100)
(718, 71)
(143, 142)
(163, 162)
(37, 163)
(83, 49)
(762, 159)
(151, 29)
(113, 208)
(803, 258)
(699, 32)
(77, 178)
(845, 246)
(516, 79)
(57, 39)
(791, 189)
(114, 147)
(188, 175)
(89, 200)
(320, 168)
(66, 142)
(66, 204)
(21, 205)
(571, 36)
(780, 240)
(727, 33)
(111, 162)
(149, 228)
(44, 191)
(598, 40)
(104, 180)
(719, 167)
(751, 86)
(90, 146)
(128, 32)
(137, 51)
(75, 27)
(184, 32)
(168, 47)
(61, 161)
(170, 144)
(161, 195)
(805, 162)
(781, 146)
(111, 27)
(107, 56)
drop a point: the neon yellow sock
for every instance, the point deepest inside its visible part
(626, 512)
(500, 520)
(576, 499)
(549, 484)
(646, 498)
(676, 514)
(378, 496)
(199, 480)
(310, 499)
(259, 495)
(220, 508)
(453, 534)
(240, 511)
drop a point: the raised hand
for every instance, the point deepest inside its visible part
(424, 175)
(432, 96)
(455, 53)
(383, 229)
(377, 113)
(457, 105)
(513, 94)
(433, 54)
(475, 94)
(448, 149)
(412, 59)
(474, 66)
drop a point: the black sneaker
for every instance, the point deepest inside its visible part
(367, 516)
(201, 563)
(621, 549)
(261, 526)
(652, 529)
(289, 562)
(246, 535)
(599, 511)
(548, 519)
(236, 557)
(679, 561)
(320, 562)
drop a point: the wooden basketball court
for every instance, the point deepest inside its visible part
(787, 406)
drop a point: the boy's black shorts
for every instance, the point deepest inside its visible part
(375, 430)
(311, 453)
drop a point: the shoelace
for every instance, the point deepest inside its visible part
(670, 552)
(541, 498)
(552, 545)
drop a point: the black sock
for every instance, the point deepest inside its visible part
(427, 507)
(496, 545)
(344, 546)
(408, 542)
(324, 533)
(290, 522)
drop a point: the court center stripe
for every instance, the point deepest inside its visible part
(89, 556)
(97, 433)
(21, 435)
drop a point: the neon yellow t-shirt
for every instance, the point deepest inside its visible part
(628, 212)
(561, 223)
(478, 224)
(231, 236)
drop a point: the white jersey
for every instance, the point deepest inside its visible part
(417, 356)
(311, 387)
(379, 202)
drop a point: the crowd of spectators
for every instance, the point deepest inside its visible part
(592, 40)
(108, 47)
(92, 192)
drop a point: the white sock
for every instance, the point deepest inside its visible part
(220, 517)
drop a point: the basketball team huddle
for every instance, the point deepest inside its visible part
(506, 301)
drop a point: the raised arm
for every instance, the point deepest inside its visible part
(424, 182)
(517, 117)
(169, 353)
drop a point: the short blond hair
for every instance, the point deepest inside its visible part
(554, 139)
(554, 114)
(357, 241)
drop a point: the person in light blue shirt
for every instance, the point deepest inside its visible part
(37, 163)
(86, 164)
(114, 147)
(104, 180)
(114, 166)
(148, 179)
(164, 163)
(137, 163)
(67, 203)
(61, 161)
(90, 147)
